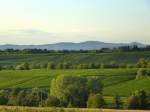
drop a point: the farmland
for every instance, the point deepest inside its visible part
(121, 81)
(116, 81)
(75, 58)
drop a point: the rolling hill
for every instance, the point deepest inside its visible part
(88, 45)
(75, 58)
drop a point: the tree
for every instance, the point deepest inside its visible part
(133, 102)
(33, 98)
(117, 102)
(0, 67)
(142, 63)
(21, 98)
(70, 89)
(13, 97)
(94, 85)
(148, 64)
(23, 66)
(142, 99)
(73, 90)
(43, 65)
(4, 97)
(51, 66)
(95, 101)
(52, 101)
(141, 73)
(138, 100)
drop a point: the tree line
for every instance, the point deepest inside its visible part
(71, 92)
(141, 63)
(101, 50)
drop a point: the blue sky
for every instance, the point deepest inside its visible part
(51, 21)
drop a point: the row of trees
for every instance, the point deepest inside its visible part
(101, 50)
(71, 91)
(18, 97)
(142, 63)
(27, 66)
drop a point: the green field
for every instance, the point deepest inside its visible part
(75, 58)
(116, 81)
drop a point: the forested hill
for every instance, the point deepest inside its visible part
(88, 45)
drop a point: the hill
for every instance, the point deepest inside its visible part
(89, 45)
(75, 58)
(113, 79)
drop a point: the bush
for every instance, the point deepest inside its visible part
(52, 102)
(95, 101)
(23, 66)
(51, 66)
(21, 98)
(13, 97)
(4, 94)
(117, 102)
(138, 100)
(70, 89)
(73, 90)
(0, 67)
(143, 72)
(142, 63)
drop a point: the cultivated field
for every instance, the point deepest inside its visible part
(116, 81)
(75, 58)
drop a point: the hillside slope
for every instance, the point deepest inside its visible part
(75, 58)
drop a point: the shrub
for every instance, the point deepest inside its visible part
(142, 63)
(138, 100)
(142, 73)
(23, 66)
(4, 97)
(117, 102)
(52, 101)
(95, 101)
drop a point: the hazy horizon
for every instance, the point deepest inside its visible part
(27, 22)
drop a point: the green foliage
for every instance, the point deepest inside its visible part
(4, 96)
(94, 85)
(28, 79)
(52, 101)
(74, 90)
(75, 58)
(23, 66)
(142, 63)
(118, 102)
(51, 66)
(21, 98)
(138, 100)
(13, 97)
(33, 98)
(70, 89)
(143, 72)
(95, 101)
(0, 67)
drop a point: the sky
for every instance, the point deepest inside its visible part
(52, 21)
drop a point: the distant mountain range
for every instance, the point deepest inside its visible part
(88, 45)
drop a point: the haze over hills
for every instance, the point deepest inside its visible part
(88, 45)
